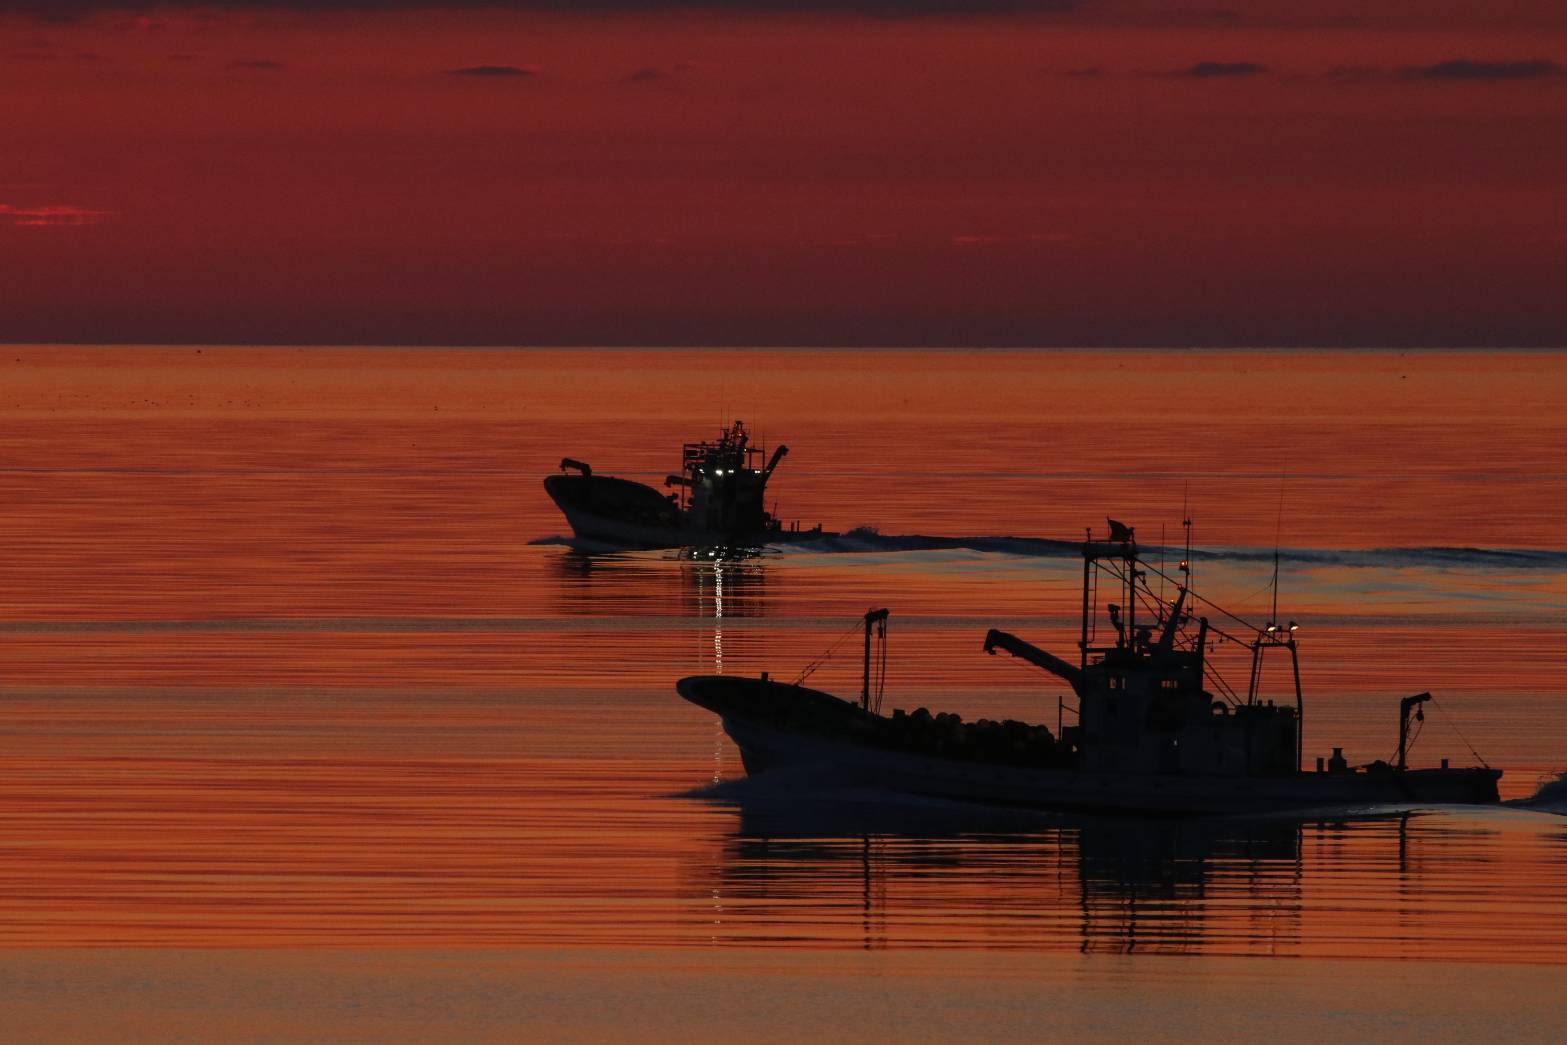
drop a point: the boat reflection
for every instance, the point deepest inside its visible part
(648, 583)
(710, 592)
(724, 588)
(944, 874)
(587, 579)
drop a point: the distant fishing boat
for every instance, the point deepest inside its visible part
(1150, 737)
(716, 501)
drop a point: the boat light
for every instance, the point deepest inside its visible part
(1272, 628)
(1294, 626)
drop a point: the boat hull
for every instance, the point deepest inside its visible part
(747, 708)
(620, 513)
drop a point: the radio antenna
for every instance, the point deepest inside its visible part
(1278, 529)
(1186, 522)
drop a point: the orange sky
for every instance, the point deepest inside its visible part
(1344, 174)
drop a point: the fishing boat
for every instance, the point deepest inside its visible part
(1156, 731)
(717, 500)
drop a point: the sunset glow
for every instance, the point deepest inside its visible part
(783, 520)
(1069, 173)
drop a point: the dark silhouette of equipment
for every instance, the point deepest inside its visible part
(1158, 727)
(778, 455)
(878, 620)
(716, 500)
(1404, 707)
(1069, 673)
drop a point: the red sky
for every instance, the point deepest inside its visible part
(1346, 173)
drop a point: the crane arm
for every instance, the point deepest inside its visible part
(778, 455)
(1069, 673)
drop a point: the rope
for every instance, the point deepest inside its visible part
(810, 668)
(1193, 597)
(1409, 740)
(881, 674)
(1449, 719)
(1225, 689)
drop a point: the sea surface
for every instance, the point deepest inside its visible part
(313, 721)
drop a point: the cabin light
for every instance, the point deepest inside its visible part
(719, 472)
(1294, 626)
(1272, 628)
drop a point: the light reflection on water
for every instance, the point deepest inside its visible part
(1447, 885)
(292, 831)
(295, 674)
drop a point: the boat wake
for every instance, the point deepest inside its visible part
(866, 541)
(1549, 797)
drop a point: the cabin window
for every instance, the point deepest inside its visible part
(1117, 682)
(1169, 684)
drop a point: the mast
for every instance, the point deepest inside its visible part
(1300, 707)
(1278, 529)
(1088, 566)
(874, 617)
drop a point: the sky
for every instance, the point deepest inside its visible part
(782, 172)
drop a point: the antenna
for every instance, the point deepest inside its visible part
(1186, 521)
(1161, 567)
(1278, 528)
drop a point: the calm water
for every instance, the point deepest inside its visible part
(294, 658)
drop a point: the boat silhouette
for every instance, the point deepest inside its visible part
(718, 500)
(1151, 736)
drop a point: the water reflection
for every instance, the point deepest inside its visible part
(724, 588)
(940, 874)
(651, 583)
(705, 595)
(1118, 886)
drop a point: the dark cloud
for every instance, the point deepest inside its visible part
(1201, 15)
(1455, 69)
(1214, 70)
(66, 10)
(1470, 69)
(1355, 73)
(654, 73)
(493, 70)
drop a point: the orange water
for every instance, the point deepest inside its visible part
(282, 666)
